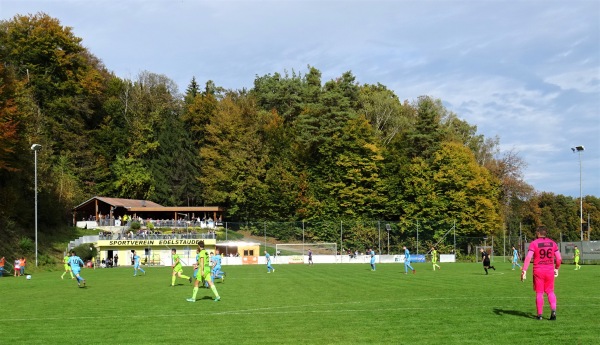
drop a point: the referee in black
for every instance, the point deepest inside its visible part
(486, 261)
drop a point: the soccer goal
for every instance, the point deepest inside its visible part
(303, 248)
(488, 249)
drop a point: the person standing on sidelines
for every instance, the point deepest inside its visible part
(434, 255)
(177, 268)
(2, 263)
(515, 259)
(204, 273)
(576, 258)
(310, 261)
(76, 264)
(269, 267)
(407, 261)
(486, 260)
(67, 268)
(372, 254)
(17, 267)
(136, 264)
(546, 262)
(23, 264)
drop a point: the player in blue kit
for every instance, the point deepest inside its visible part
(216, 270)
(195, 274)
(372, 253)
(269, 267)
(407, 261)
(76, 263)
(136, 264)
(515, 260)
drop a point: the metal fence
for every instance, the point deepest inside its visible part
(385, 237)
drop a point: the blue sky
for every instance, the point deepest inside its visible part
(525, 71)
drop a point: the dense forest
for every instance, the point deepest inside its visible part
(292, 148)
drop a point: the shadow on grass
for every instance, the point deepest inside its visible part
(518, 313)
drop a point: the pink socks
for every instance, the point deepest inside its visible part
(552, 300)
(539, 302)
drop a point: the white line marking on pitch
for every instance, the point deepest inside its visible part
(273, 310)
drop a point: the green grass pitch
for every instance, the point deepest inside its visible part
(300, 304)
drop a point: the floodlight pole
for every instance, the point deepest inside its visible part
(35, 148)
(379, 228)
(580, 149)
(341, 240)
(454, 234)
(417, 237)
(302, 239)
(388, 228)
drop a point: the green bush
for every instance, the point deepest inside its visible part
(25, 244)
(86, 251)
(47, 260)
(135, 225)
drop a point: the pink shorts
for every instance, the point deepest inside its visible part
(543, 281)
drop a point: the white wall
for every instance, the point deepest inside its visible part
(447, 258)
(87, 224)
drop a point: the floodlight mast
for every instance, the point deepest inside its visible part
(388, 228)
(580, 149)
(35, 148)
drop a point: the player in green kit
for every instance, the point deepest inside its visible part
(67, 268)
(576, 258)
(203, 273)
(434, 255)
(177, 268)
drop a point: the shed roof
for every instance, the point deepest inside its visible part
(120, 202)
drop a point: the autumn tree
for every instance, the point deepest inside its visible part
(388, 117)
(233, 158)
(427, 135)
(453, 187)
(9, 120)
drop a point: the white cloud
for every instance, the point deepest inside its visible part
(582, 80)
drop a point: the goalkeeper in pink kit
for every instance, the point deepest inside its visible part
(546, 262)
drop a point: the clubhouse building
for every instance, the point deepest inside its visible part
(185, 225)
